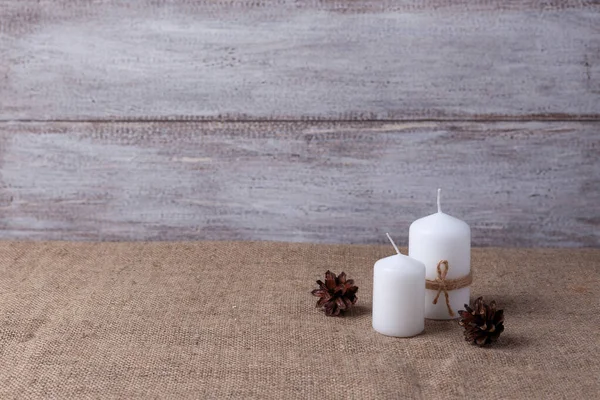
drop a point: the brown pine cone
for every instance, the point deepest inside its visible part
(336, 295)
(483, 323)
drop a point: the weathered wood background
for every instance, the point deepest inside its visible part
(330, 121)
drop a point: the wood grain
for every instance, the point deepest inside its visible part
(289, 60)
(516, 184)
(320, 121)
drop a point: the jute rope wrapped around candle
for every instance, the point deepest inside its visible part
(441, 284)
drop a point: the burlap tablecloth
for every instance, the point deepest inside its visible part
(236, 320)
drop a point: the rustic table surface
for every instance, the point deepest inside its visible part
(230, 319)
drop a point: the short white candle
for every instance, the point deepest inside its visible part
(398, 293)
(440, 237)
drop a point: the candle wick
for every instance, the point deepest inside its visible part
(438, 200)
(393, 244)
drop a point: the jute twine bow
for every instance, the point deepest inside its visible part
(441, 284)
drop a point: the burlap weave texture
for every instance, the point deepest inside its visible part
(236, 320)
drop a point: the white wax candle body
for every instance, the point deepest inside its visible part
(442, 237)
(398, 292)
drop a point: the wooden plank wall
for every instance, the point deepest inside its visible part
(321, 121)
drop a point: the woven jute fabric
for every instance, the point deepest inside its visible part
(236, 320)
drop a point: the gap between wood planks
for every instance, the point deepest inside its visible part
(531, 118)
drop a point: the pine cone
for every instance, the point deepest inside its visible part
(483, 323)
(337, 294)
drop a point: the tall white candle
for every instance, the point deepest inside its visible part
(435, 238)
(398, 293)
